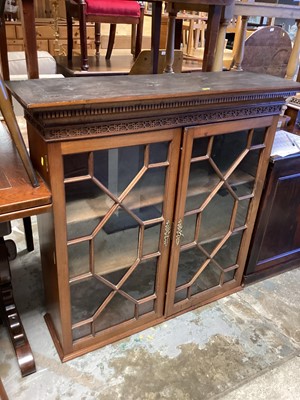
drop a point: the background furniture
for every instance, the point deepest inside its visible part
(22, 195)
(28, 24)
(97, 11)
(219, 14)
(267, 51)
(269, 10)
(8, 309)
(11, 122)
(156, 182)
(275, 246)
(193, 32)
(215, 8)
(19, 199)
(3, 47)
(292, 112)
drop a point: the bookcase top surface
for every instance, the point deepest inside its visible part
(69, 92)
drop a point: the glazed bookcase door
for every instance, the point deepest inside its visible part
(220, 177)
(119, 201)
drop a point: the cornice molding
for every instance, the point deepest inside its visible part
(116, 127)
(86, 111)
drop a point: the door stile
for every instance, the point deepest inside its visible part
(184, 169)
(261, 174)
(168, 213)
(60, 256)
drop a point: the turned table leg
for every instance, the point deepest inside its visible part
(170, 41)
(8, 309)
(240, 46)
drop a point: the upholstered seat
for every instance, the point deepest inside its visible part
(115, 8)
(105, 11)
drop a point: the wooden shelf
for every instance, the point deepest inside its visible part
(84, 210)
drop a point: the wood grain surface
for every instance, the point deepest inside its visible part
(16, 192)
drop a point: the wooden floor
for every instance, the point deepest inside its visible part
(120, 63)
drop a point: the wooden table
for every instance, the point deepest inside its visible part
(18, 199)
(219, 14)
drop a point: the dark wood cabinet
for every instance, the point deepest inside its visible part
(275, 245)
(156, 182)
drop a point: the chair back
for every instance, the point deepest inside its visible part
(267, 51)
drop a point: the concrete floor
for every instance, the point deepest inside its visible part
(244, 346)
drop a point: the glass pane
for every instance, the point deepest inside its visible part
(115, 250)
(189, 226)
(119, 221)
(193, 203)
(229, 276)
(202, 180)
(82, 331)
(227, 255)
(146, 307)
(180, 295)
(118, 310)
(86, 297)
(247, 170)
(242, 212)
(200, 147)
(86, 204)
(227, 148)
(209, 278)
(79, 259)
(76, 165)
(216, 216)
(158, 152)
(258, 136)
(77, 230)
(141, 282)
(151, 239)
(146, 198)
(116, 168)
(190, 262)
(115, 276)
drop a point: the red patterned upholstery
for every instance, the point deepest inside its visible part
(103, 11)
(113, 8)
